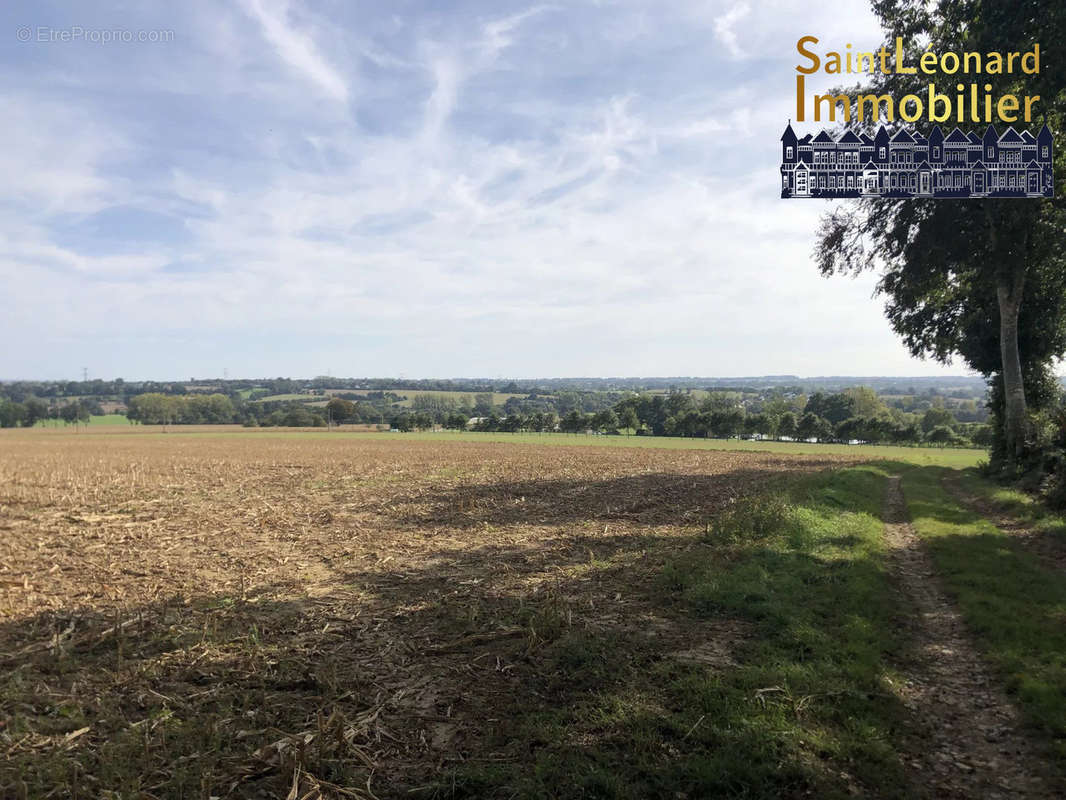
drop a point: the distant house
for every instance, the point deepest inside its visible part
(908, 164)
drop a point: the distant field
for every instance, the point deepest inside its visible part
(498, 398)
(278, 397)
(699, 394)
(109, 419)
(956, 458)
(96, 419)
(924, 456)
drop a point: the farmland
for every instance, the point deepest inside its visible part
(925, 455)
(95, 419)
(498, 398)
(406, 395)
(479, 615)
(944, 415)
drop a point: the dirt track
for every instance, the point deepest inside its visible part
(973, 744)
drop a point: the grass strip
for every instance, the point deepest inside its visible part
(794, 587)
(1023, 507)
(1014, 605)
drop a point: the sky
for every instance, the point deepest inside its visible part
(417, 189)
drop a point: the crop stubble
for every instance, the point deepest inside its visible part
(228, 610)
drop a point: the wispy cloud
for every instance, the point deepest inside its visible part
(296, 47)
(726, 24)
(573, 189)
(497, 34)
(451, 64)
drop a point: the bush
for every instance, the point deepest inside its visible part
(943, 435)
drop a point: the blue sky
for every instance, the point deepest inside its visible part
(417, 188)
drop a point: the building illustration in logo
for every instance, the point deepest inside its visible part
(907, 164)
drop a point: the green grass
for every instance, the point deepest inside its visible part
(1014, 605)
(700, 394)
(1011, 501)
(95, 419)
(1025, 508)
(109, 419)
(498, 398)
(802, 710)
(291, 396)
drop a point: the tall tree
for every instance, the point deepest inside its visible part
(628, 419)
(605, 421)
(980, 279)
(35, 410)
(11, 413)
(786, 425)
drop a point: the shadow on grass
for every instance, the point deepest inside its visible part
(653, 498)
(635, 665)
(1039, 527)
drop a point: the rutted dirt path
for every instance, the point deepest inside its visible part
(1050, 550)
(973, 746)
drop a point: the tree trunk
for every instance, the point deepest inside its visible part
(1015, 417)
(1009, 290)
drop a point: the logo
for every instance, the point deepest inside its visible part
(905, 163)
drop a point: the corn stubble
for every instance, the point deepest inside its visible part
(320, 616)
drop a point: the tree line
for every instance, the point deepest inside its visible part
(857, 414)
(852, 415)
(29, 412)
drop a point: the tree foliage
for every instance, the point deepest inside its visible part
(982, 279)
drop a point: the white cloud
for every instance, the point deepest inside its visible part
(496, 35)
(523, 195)
(725, 27)
(296, 47)
(54, 155)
